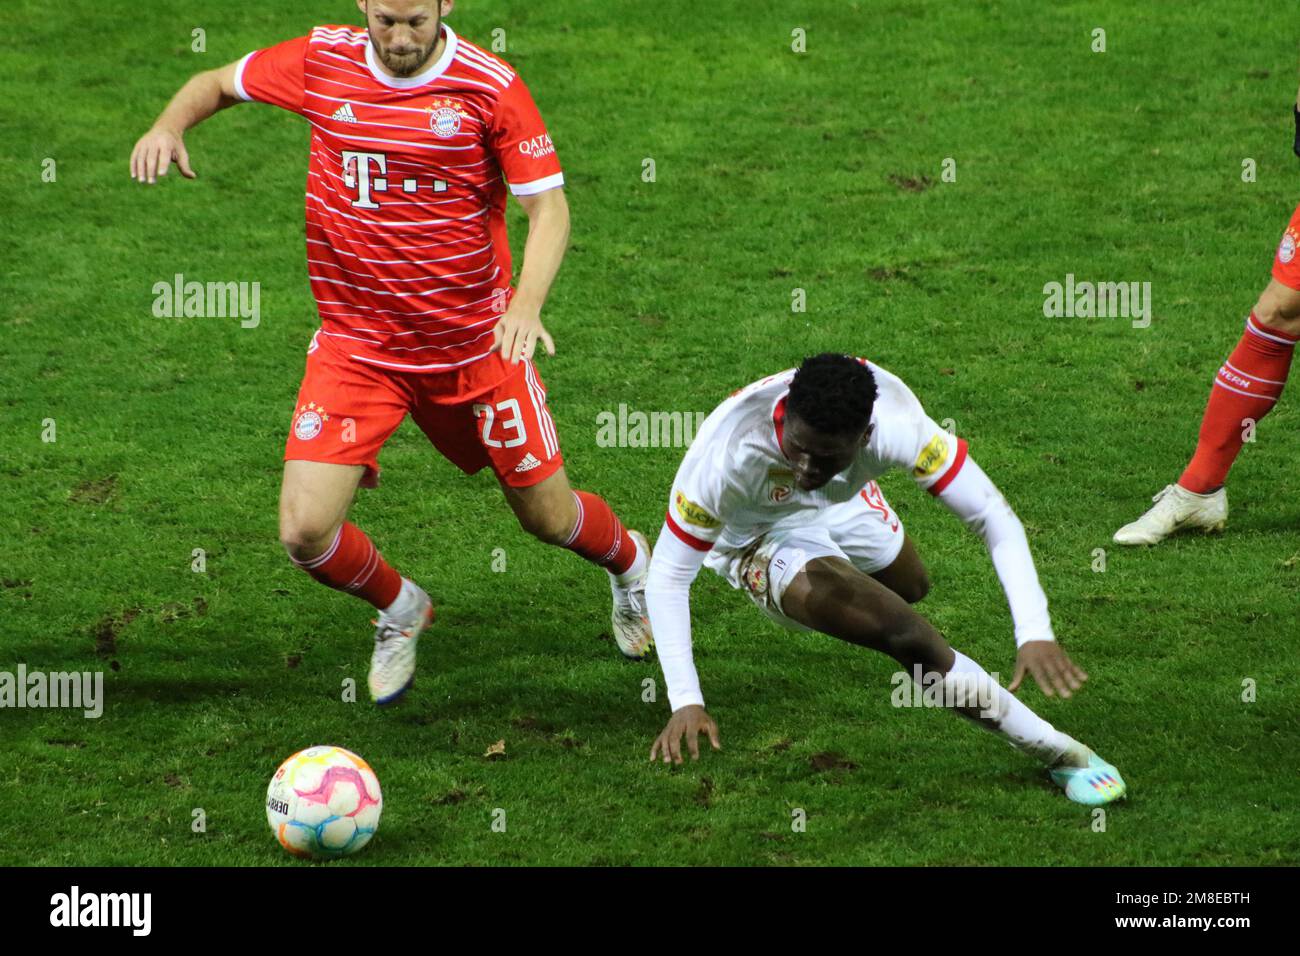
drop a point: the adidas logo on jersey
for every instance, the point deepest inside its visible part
(528, 464)
(344, 114)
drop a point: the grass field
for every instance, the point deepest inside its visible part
(776, 171)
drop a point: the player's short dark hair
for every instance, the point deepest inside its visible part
(833, 393)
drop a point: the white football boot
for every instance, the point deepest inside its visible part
(392, 666)
(630, 620)
(1176, 509)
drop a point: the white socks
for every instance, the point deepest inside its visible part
(405, 601)
(635, 570)
(969, 685)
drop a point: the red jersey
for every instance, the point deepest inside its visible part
(406, 190)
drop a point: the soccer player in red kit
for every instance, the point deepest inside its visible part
(416, 136)
(1245, 389)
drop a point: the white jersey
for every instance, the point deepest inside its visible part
(735, 484)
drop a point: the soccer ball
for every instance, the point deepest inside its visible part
(324, 802)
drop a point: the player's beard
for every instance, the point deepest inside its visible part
(408, 64)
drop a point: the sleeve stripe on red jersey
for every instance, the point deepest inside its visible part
(537, 185)
(239, 78)
(958, 460)
(699, 544)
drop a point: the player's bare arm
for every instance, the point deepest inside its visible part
(205, 94)
(519, 330)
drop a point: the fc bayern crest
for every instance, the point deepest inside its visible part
(311, 419)
(445, 122)
(1286, 251)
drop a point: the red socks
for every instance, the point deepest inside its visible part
(1247, 386)
(354, 565)
(599, 535)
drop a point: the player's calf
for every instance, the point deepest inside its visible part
(549, 526)
(585, 524)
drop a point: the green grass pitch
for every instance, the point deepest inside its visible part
(775, 171)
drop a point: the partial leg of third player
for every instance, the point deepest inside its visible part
(1247, 386)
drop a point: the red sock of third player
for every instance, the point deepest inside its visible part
(1249, 383)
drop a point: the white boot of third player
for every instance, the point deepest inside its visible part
(1175, 509)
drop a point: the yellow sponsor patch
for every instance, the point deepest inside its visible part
(692, 513)
(932, 457)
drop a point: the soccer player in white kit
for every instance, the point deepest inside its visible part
(777, 494)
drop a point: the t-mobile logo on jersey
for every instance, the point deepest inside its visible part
(357, 175)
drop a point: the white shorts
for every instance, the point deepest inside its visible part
(866, 532)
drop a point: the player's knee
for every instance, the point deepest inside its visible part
(305, 536)
(1279, 308)
(915, 588)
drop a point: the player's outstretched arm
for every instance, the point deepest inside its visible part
(976, 500)
(201, 97)
(520, 329)
(668, 590)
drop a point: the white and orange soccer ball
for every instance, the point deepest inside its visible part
(324, 802)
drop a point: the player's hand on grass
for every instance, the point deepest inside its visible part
(1051, 667)
(154, 154)
(517, 333)
(691, 721)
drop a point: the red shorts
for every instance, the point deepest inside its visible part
(1286, 265)
(485, 413)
